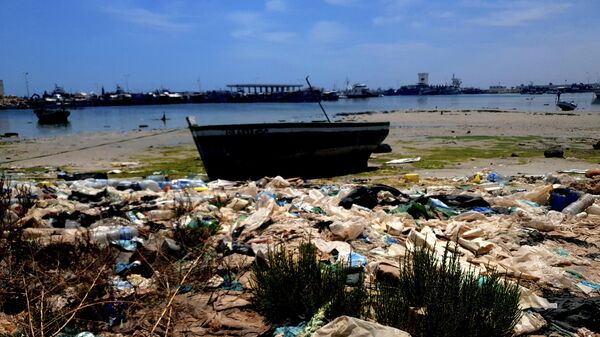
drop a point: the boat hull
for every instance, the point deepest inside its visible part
(566, 106)
(287, 149)
(45, 116)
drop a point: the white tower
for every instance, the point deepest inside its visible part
(1, 88)
(424, 78)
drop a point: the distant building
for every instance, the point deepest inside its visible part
(423, 78)
(1, 88)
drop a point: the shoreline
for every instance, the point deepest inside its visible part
(435, 135)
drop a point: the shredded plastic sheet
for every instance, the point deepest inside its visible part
(354, 327)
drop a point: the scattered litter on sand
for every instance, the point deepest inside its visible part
(187, 246)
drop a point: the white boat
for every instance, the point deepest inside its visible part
(360, 90)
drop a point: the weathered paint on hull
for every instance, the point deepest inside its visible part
(287, 149)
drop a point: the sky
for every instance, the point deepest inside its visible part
(181, 45)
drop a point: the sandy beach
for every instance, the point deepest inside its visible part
(412, 133)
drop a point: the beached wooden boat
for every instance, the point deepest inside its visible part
(240, 151)
(52, 116)
(566, 106)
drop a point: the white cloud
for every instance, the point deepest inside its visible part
(163, 21)
(395, 12)
(253, 26)
(521, 15)
(275, 6)
(328, 32)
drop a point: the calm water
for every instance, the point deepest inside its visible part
(107, 119)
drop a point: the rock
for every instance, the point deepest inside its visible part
(554, 152)
(383, 148)
(592, 173)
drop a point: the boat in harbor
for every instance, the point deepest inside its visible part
(360, 90)
(242, 151)
(52, 116)
(566, 106)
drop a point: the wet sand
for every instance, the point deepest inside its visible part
(105, 151)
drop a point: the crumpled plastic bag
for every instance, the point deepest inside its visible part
(547, 222)
(348, 230)
(529, 300)
(355, 327)
(530, 322)
(538, 263)
(277, 182)
(343, 248)
(260, 217)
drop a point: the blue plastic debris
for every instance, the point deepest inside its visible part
(562, 197)
(126, 233)
(362, 237)
(390, 240)
(128, 245)
(234, 286)
(357, 260)
(289, 331)
(184, 288)
(561, 252)
(229, 284)
(484, 210)
(495, 177)
(589, 284)
(268, 194)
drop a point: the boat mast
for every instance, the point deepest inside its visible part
(319, 100)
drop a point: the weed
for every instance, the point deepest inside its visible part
(293, 289)
(183, 204)
(454, 302)
(195, 234)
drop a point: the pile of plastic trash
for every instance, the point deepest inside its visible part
(541, 230)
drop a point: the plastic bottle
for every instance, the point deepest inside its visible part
(580, 205)
(106, 234)
(157, 177)
(150, 185)
(160, 214)
(495, 177)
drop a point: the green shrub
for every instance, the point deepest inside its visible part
(293, 289)
(433, 296)
(454, 302)
(194, 235)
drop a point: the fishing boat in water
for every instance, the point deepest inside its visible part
(241, 151)
(52, 116)
(360, 90)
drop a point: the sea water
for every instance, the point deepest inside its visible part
(116, 119)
